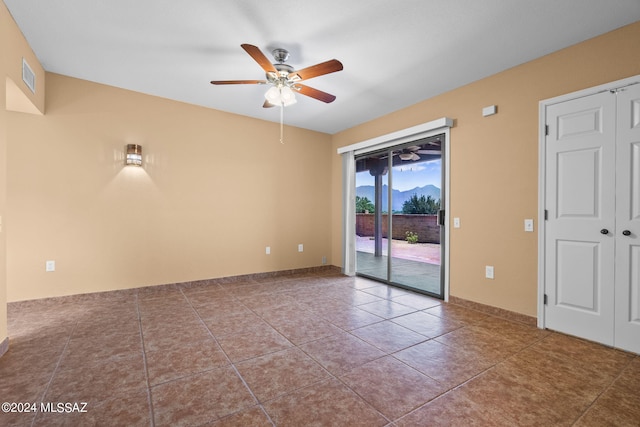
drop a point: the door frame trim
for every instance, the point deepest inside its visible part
(542, 108)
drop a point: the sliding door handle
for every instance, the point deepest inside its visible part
(626, 233)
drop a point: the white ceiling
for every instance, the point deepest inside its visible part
(395, 53)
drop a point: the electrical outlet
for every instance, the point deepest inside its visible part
(300, 247)
(268, 250)
(488, 271)
(324, 260)
(50, 266)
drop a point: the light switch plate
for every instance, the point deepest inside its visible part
(50, 266)
(528, 225)
(489, 272)
(456, 222)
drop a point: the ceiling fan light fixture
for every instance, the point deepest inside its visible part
(273, 95)
(280, 95)
(287, 96)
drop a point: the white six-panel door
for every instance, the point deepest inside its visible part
(580, 202)
(627, 299)
(592, 232)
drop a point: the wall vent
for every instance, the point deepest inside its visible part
(28, 76)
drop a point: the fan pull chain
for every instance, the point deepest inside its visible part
(282, 124)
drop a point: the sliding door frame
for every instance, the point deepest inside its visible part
(432, 128)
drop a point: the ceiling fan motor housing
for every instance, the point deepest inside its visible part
(283, 72)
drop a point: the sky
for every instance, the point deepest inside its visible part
(408, 177)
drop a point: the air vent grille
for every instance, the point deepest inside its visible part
(28, 76)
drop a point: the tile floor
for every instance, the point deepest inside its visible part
(303, 350)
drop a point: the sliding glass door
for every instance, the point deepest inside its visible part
(372, 207)
(399, 215)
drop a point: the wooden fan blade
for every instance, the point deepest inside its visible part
(321, 69)
(267, 104)
(315, 93)
(259, 57)
(239, 82)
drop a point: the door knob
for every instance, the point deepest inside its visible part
(626, 233)
(604, 231)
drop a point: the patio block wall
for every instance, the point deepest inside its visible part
(426, 226)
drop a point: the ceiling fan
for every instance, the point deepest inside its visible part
(284, 79)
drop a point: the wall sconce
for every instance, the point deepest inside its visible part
(134, 155)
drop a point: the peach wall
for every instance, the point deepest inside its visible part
(108, 227)
(494, 162)
(14, 94)
(215, 190)
(21, 99)
(4, 18)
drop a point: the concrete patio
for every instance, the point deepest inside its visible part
(413, 265)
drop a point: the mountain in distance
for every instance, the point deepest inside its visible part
(399, 197)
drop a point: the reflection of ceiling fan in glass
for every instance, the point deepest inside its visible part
(411, 153)
(284, 79)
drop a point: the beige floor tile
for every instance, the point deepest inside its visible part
(311, 348)
(341, 353)
(450, 366)
(254, 417)
(514, 401)
(302, 329)
(453, 409)
(457, 313)
(349, 318)
(492, 347)
(98, 348)
(275, 374)
(388, 336)
(392, 387)
(387, 309)
(417, 301)
(323, 404)
(163, 366)
(94, 383)
(427, 324)
(125, 409)
(235, 323)
(253, 342)
(200, 398)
